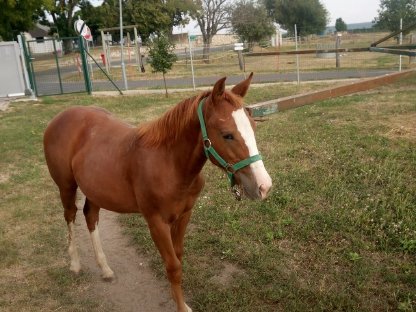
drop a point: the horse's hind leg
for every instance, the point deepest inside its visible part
(68, 195)
(91, 212)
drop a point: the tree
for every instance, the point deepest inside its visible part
(150, 16)
(212, 16)
(161, 56)
(310, 16)
(179, 10)
(250, 21)
(18, 16)
(391, 11)
(63, 17)
(111, 12)
(93, 17)
(340, 25)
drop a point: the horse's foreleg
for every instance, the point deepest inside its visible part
(70, 210)
(178, 233)
(91, 213)
(161, 234)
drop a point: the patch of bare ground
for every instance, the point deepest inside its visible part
(226, 275)
(136, 287)
(399, 125)
(4, 105)
(4, 177)
(6, 173)
(403, 126)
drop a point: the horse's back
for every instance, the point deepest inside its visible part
(65, 128)
(65, 135)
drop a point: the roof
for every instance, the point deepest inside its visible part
(39, 31)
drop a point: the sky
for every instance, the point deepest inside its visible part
(352, 11)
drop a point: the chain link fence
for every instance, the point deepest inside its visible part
(59, 68)
(223, 61)
(55, 65)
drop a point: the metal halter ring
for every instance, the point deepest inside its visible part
(229, 168)
(207, 143)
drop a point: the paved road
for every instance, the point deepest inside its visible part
(50, 86)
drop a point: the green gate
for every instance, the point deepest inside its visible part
(57, 66)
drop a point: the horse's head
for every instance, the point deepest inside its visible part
(230, 135)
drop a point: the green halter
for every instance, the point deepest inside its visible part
(209, 150)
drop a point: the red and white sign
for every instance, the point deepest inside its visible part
(82, 29)
(87, 35)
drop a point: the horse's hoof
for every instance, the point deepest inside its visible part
(109, 277)
(188, 309)
(75, 268)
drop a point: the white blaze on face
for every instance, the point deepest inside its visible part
(247, 133)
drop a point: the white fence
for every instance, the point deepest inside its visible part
(11, 74)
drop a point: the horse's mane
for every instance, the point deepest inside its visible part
(170, 127)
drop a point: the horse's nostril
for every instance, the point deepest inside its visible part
(264, 190)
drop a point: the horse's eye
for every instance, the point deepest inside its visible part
(249, 111)
(228, 137)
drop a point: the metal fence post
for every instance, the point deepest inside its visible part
(400, 43)
(29, 65)
(57, 66)
(192, 64)
(28, 82)
(337, 47)
(297, 55)
(412, 41)
(84, 65)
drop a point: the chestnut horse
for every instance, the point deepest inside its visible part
(153, 169)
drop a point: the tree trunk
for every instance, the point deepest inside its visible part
(207, 39)
(166, 88)
(68, 47)
(205, 53)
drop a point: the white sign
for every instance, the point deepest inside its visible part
(79, 26)
(238, 46)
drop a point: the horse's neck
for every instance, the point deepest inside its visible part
(189, 149)
(177, 133)
(189, 152)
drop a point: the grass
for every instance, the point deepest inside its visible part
(337, 233)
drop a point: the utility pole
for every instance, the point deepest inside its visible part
(297, 55)
(123, 68)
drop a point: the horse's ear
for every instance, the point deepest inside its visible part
(218, 89)
(241, 88)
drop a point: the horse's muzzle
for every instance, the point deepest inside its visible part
(255, 187)
(264, 190)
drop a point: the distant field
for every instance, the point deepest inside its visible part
(337, 233)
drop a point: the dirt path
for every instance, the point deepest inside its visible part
(135, 288)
